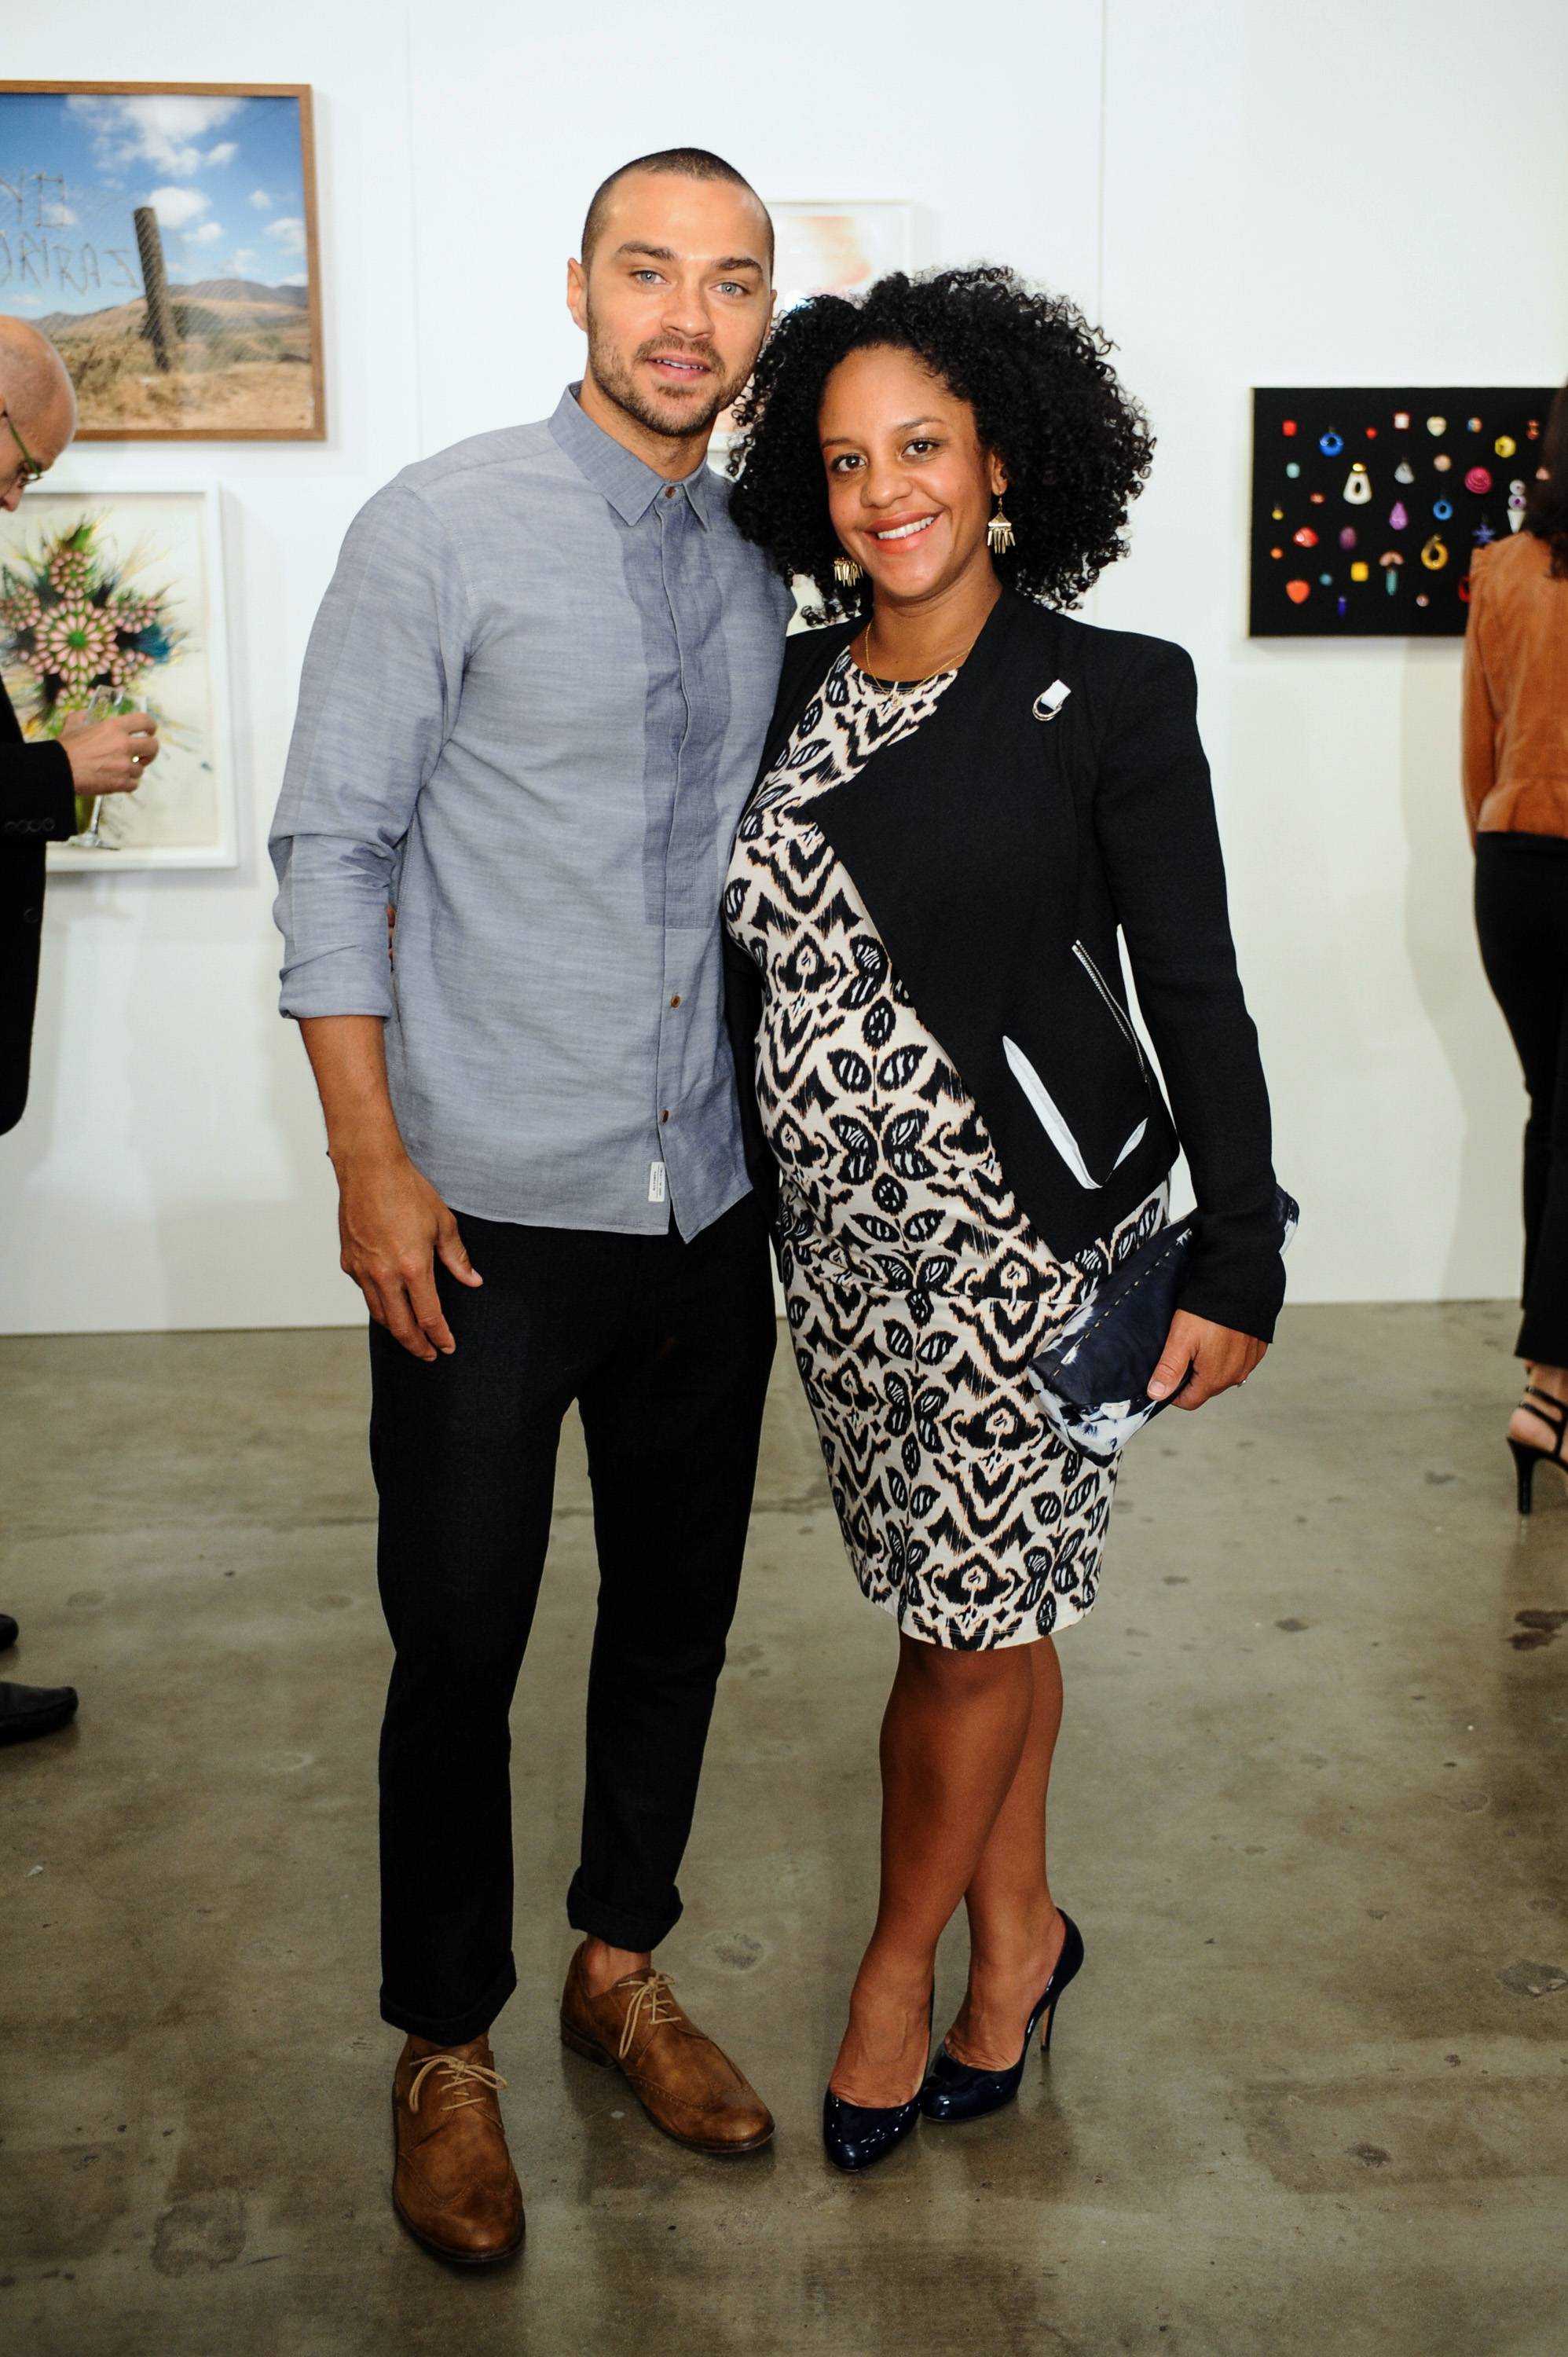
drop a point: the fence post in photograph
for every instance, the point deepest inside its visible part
(160, 310)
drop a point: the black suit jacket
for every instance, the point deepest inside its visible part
(999, 854)
(38, 806)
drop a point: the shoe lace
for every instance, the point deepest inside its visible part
(653, 1994)
(459, 2073)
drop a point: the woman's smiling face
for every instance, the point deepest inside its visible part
(909, 486)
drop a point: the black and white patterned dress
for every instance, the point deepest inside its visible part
(917, 1290)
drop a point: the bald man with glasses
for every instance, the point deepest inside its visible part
(39, 786)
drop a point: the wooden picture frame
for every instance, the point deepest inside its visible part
(137, 222)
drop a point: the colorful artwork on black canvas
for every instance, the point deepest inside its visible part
(1368, 505)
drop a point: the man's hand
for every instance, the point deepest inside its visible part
(1217, 1356)
(393, 1227)
(109, 756)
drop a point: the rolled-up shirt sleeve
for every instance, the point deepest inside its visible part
(381, 679)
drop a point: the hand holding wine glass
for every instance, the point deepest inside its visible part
(112, 756)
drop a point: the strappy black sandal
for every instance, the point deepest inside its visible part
(1526, 1456)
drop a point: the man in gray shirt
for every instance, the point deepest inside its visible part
(530, 713)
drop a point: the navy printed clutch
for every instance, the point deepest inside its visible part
(1091, 1375)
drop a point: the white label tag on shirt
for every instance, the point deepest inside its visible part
(656, 1182)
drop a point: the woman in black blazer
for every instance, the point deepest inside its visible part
(964, 797)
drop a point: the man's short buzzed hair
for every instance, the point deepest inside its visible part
(687, 164)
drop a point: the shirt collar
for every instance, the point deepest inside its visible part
(630, 486)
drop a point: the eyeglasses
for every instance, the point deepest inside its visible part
(29, 470)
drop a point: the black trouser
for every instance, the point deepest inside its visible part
(665, 1346)
(1521, 917)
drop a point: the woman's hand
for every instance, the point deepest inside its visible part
(1217, 1355)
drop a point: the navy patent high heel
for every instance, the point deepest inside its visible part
(857, 2135)
(955, 2092)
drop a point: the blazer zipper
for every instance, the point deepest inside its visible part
(1123, 1019)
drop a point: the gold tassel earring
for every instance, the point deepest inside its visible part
(999, 531)
(846, 572)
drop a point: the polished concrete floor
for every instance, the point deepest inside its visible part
(1311, 2093)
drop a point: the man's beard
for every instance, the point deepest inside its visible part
(682, 418)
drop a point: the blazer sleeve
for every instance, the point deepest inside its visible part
(1160, 844)
(1478, 723)
(38, 798)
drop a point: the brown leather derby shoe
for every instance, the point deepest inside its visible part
(683, 2083)
(453, 2185)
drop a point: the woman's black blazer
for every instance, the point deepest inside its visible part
(38, 806)
(998, 851)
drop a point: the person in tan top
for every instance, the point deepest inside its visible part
(1515, 732)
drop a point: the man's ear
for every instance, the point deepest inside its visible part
(578, 294)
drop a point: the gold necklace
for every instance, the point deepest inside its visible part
(907, 686)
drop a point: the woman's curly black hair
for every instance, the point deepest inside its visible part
(1075, 445)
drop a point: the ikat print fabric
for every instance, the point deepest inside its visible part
(917, 1290)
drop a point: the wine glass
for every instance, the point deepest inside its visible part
(99, 706)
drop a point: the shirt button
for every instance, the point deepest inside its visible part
(665, 1114)
(676, 1000)
(671, 490)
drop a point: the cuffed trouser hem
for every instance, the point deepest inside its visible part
(614, 1925)
(456, 2028)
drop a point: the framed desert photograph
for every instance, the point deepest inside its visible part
(164, 236)
(112, 601)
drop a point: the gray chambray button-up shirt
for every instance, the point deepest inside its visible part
(531, 710)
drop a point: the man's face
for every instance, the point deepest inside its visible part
(27, 442)
(675, 300)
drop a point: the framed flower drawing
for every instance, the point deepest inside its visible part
(112, 601)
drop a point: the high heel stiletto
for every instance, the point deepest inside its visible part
(955, 2092)
(1526, 1457)
(857, 2135)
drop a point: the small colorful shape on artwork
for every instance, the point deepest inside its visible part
(1331, 444)
(1483, 535)
(1305, 537)
(1443, 510)
(1478, 479)
(1357, 485)
(1505, 445)
(1360, 570)
(1297, 591)
(1293, 470)
(1442, 462)
(1401, 421)
(1405, 472)
(1474, 424)
(1289, 425)
(1348, 537)
(1422, 599)
(1398, 516)
(1435, 426)
(1434, 554)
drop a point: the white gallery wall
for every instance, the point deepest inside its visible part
(1244, 193)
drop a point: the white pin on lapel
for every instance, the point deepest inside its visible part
(1049, 701)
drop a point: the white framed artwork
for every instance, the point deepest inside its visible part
(839, 248)
(112, 601)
